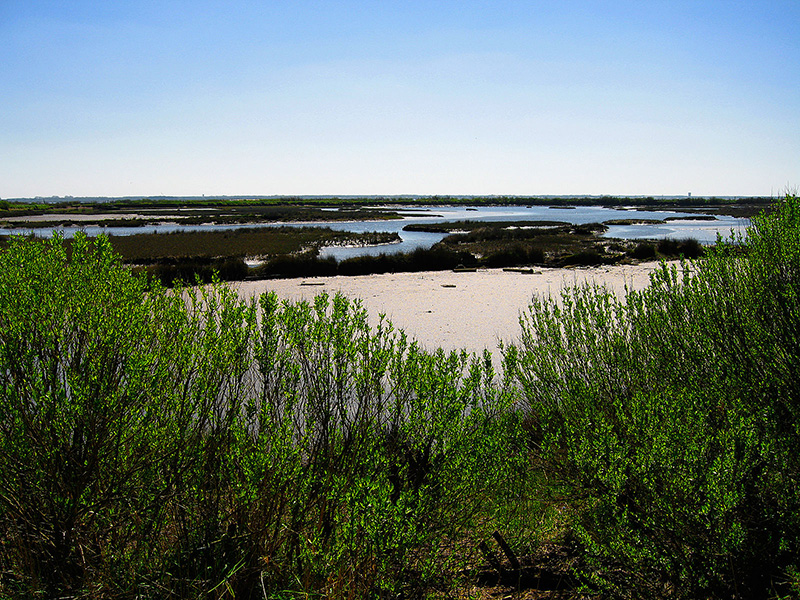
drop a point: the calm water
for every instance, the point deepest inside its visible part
(704, 231)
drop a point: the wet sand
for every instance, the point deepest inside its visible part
(471, 310)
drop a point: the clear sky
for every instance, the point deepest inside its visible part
(234, 97)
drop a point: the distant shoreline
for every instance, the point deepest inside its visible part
(734, 205)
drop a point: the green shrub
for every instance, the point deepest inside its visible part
(671, 419)
(184, 443)
(106, 396)
(400, 446)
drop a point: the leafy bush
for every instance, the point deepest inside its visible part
(109, 398)
(396, 443)
(183, 443)
(671, 419)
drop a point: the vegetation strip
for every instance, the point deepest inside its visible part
(745, 206)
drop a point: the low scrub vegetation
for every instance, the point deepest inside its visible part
(668, 422)
(422, 259)
(185, 443)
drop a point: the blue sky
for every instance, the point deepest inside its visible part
(174, 97)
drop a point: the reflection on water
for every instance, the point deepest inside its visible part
(705, 231)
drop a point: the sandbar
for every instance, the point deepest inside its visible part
(454, 310)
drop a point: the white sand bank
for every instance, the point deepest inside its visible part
(472, 310)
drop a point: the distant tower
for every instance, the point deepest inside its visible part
(690, 194)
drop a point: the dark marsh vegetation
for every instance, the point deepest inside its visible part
(187, 212)
(187, 256)
(238, 243)
(492, 245)
(551, 244)
(184, 443)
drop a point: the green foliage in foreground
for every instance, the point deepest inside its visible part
(670, 422)
(185, 443)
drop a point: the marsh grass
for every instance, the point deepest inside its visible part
(236, 243)
(199, 256)
(552, 244)
(192, 212)
(493, 245)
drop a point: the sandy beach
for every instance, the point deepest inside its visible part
(472, 310)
